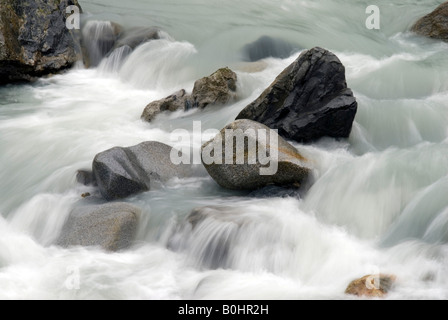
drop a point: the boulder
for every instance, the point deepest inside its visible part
(177, 101)
(308, 100)
(372, 286)
(435, 24)
(34, 39)
(266, 47)
(254, 161)
(121, 172)
(111, 226)
(216, 89)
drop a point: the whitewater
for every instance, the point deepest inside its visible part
(378, 202)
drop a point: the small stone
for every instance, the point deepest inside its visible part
(372, 286)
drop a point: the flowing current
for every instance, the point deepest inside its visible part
(378, 202)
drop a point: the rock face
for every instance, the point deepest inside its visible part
(34, 39)
(121, 172)
(266, 47)
(111, 226)
(371, 286)
(308, 100)
(177, 101)
(246, 166)
(435, 24)
(216, 89)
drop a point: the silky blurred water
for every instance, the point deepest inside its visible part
(378, 202)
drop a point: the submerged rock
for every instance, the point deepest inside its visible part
(266, 47)
(207, 235)
(177, 101)
(258, 158)
(121, 172)
(111, 226)
(98, 39)
(138, 35)
(373, 286)
(308, 100)
(34, 39)
(103, 39)
(435, 24)
(85, 177)
(216, 89)
(276, 192)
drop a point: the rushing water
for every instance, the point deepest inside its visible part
(379, 199)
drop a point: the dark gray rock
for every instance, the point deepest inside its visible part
(177, 101)
(121, 172)
(435, 24)
(85, 177)
(217, 89)
(244, 172)
(34, 39)
(111, 226)
(266, 47)
(308, 100)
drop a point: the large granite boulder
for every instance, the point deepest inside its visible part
(435, 24)
(121, 172)
(308, 100)
(34, 39)
(111, 226)
(247, 155)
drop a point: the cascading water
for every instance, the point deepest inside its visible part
(377, 202)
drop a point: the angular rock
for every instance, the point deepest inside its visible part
(34, 39)
(177, 101)
(216, 89)
(266, 47)
(373, 286)
(121, 172)
(111, 226)
(308, 100)
(242, 168)
(435, 24)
